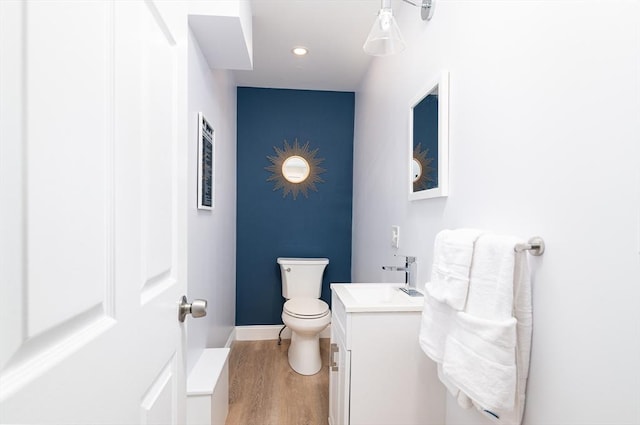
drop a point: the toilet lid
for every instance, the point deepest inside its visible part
(307, 308)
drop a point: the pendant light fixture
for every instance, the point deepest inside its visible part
(385, 37)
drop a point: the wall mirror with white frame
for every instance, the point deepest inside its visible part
(429, 140)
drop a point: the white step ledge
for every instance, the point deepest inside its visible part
(208, 388)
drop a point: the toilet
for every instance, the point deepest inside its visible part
(304, 312)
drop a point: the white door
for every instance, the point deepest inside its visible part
(91, 256)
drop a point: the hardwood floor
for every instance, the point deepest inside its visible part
(264, 390)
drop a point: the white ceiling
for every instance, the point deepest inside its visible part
(333, 31)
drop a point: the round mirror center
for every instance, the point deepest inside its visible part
(417, 170)
(295, 169)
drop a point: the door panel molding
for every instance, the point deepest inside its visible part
(162, 23)
(38, 355)
(158, 405)
(12, 175)
(60, 123)
(158, 118)
(47, 325)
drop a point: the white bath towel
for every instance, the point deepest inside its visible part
(452, 258)
(486, 353)
(523, 313)
(480, 360)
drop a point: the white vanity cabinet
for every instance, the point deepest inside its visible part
(378, 373)
(339, 366)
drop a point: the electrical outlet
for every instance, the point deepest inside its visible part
(395, 236)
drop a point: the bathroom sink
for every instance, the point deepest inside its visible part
(376, 297)
(370, 294)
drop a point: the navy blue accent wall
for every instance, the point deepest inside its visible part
(270, 226)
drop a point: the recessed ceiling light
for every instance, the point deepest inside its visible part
(299, 51)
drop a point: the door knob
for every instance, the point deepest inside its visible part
(198, 308)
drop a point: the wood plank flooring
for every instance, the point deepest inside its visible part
(264, 390)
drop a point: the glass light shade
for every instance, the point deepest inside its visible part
(384, 37)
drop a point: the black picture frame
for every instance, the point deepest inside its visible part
(206, 144)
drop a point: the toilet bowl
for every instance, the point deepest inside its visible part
(306, 317)
(303, 312)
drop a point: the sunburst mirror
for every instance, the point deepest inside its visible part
(422, 170)
(429, 140)
(295, 169)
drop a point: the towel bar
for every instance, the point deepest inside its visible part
(535, 246)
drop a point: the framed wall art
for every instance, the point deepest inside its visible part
(205, 163)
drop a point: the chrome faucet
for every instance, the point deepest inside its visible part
(410, 275)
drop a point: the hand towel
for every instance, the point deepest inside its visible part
(436, 324)
(447, 290)
(486, 353)
(492, 278)
(452, 258)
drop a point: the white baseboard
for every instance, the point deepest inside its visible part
(232, 337)
(262, 332)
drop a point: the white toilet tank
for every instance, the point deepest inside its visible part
(302, 277)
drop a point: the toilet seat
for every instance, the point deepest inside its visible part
(306, 308)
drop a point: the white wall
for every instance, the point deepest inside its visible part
(545, 140)
(212, 234)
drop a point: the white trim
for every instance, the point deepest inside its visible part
(232, 337)
(264, 332)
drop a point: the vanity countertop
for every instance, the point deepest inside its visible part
(373, 297)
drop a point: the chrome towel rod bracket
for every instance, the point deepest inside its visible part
(535, 246)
